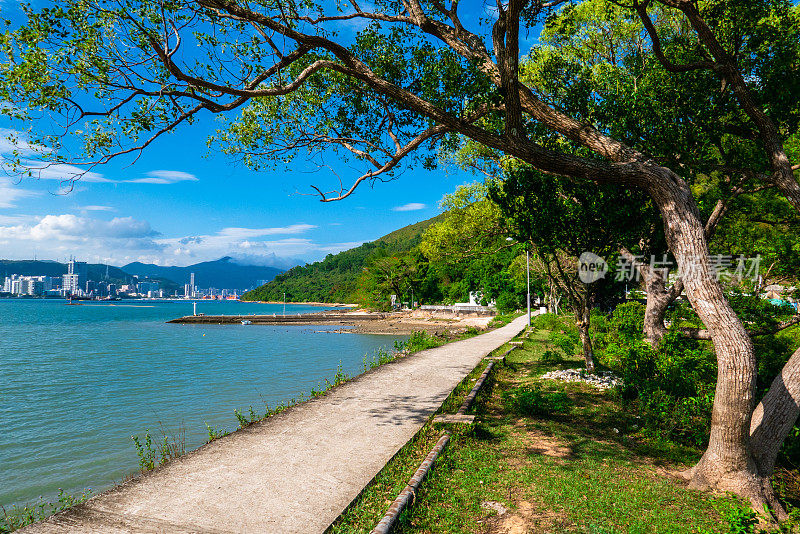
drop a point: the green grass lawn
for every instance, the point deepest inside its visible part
(584, 470)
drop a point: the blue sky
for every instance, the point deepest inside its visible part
(179, 205)
(182, 203)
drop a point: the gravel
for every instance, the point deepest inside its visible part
(602, 379)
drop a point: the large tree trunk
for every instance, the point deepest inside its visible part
(775, 416)
(727, 463)
(658, 300)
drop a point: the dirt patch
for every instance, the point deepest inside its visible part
(536, 442)
(524, 519)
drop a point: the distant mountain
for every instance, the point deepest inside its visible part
(334, 279)
(96, 271)
(221, 274)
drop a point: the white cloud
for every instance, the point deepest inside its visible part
(335, 248)
(244, 233)
(95, 208)
(63, 172)
(69, 227)
(92, 239)
(412, 206)
(120, 240)
(17, 219)
(165, 177)
(10, 193)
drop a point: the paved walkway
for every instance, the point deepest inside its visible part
(294, 472)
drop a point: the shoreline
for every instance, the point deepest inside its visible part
(352, 321)
(309, 303)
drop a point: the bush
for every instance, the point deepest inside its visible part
(418, 341)
(547, 321)
(551, 357)
(532, 400)
(670, 386)
(508, 302)
(563, 342)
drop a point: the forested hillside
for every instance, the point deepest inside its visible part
(335, 279)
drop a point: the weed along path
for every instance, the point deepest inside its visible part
(296, 471)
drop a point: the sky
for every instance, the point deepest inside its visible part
(179, 205)
(183, 203)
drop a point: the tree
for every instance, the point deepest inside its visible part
(391, 275)
(473, 236)
(119, 74)
(564, 219)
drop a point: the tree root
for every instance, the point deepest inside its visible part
(754, 488)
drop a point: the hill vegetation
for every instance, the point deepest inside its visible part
(336, 278)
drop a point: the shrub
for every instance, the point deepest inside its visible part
(547, 321)
(563, 342)
(421, 340)
(551, 357)
(508, 302)
(532, 400)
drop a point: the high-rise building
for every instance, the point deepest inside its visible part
(76, 277)
(190, 290)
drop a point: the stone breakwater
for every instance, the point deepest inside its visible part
(602, 379)
(304, 319)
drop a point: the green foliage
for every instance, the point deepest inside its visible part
(170, 446)
(532, 400)
(215, 433)
(550, 357)
(336, 278)
(508, 302)
(20, 516)
(502, 320)
(564, 342)
(422, 340)
(378, 358)
(145, 452)
(671, 386)
(740, 520)
(246, 420)
(551, 321)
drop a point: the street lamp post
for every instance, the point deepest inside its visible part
(527, 278)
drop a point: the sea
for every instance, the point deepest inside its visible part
(77, 382)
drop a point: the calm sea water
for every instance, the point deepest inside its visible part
(77, 381)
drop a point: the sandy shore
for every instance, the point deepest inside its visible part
(358, 321)
(404, 323)
(328, 304)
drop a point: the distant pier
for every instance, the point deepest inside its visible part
(306, 319)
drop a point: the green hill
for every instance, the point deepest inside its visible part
(334, 279)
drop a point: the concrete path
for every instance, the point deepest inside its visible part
(294, 472)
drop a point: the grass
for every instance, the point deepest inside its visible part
(586, 470)
(369, 507)
(17, 517)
